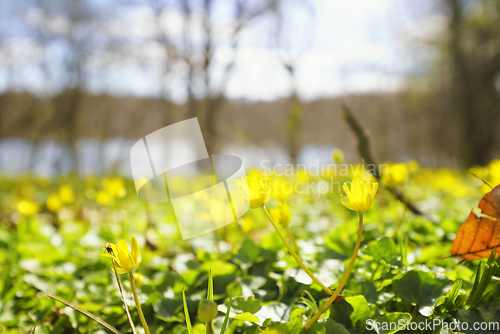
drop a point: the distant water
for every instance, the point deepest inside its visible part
(112, 156)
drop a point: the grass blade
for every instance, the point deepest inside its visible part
(226, 318)
(186, 313)
(90, 315)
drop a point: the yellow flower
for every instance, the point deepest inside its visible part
(115, 187)
(66, 194)
(494, 172)
(413, 166)
(395, 174)
(27, 207)
(247, 224)
(282, 188)
(337, 156)
(53, 203)
(258, 189)
(281, 214)
(104, 198)
(127, 261)
(360, 196)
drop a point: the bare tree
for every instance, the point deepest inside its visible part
(475, 60)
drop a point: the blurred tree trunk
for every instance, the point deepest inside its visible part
(473, 86)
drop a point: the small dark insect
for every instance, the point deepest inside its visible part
(109, 249)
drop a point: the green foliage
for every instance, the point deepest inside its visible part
(482, 282)
(398, 277)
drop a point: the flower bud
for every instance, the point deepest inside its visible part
(337, 156)
(207, 311)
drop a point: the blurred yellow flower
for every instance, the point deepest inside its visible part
(114, 186)
(53, 203)
(494, 172)
(479, 172)
(103, 198)
(302, 176)
(360, 196)
(337, 156)
(258, 189)
(66, 194)
(445, 180)
(281, 214)
(127, 261)
(395, 174)
(413, 166)
(247, 224)
(361, 172)
(282, 188)
(27, 207)
(489, 174)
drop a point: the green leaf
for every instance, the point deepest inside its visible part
(448, 301)
(364, 288)
(44, 329)
(293, 327)
(361, 310)
(166, 308)
(246, 317)
(219, 268)
(186, 313)
(340, 239)
(480, 290)
(420, 288)
(250, 305)
(327, 326)
(382, 250)
(390, 323)
(249, 251)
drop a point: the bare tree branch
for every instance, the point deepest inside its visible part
(366, 152)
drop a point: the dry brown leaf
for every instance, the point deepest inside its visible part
(479, 236)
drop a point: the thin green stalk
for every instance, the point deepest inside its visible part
(88, 314)
(344, 279)
(138, 304)
(123, 299)
(292, 238)
(295, 256)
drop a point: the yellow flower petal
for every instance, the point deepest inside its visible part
(120, 271)
(346, 188)
(367, 202)
(135, 251)
(123, 253)
(110, 256)
(347, 203)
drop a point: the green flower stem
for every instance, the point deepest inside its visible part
(295, 256)
(210, 328)
(123, 299)
(344, 279)
(292, 238)
(138, 304)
